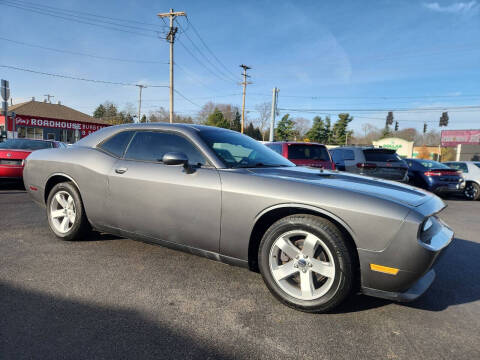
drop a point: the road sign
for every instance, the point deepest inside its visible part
(5, 90)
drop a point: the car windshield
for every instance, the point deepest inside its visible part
(25, 144)
(430, 164)
(307, 152)
(477, 164)
(381, 155)
(237, 150)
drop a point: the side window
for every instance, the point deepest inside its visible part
(276, 147)
(337, 156)
(458, 166)
(348, 155)
(152, 145)
(117, 144)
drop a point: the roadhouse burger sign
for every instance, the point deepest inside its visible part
(84, 128)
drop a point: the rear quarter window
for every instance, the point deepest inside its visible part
(117, 144)
(308, 152)
(275, 147)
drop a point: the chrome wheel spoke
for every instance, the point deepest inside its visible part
(323, 268)
(70, 202)
(57, 213)
(287, 247)
(284, 271)
(64, 224)
(306, 284)
(309, 245)
(61, 200)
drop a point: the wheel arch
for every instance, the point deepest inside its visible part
(55, 179)
(267, 217)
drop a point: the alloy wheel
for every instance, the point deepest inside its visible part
(62, 212)
(302, 265)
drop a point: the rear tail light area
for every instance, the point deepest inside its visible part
(366, 165)
(440, 173)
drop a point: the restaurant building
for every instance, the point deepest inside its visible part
(47, 121)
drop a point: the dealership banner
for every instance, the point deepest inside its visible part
(456, 137)
(84, 128)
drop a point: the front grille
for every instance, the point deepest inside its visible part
(10, 161)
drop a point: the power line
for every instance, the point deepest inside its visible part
(77, 78)
(379, 97)
(190, 101)
(117, 27)
(208, 49)
(386, 110)
(204, 56)
(82, 54)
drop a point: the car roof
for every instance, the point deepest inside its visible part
(295, 143)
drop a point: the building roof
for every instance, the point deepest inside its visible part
(53, 111)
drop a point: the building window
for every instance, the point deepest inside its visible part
(68, 136)
(27, 132)
(50, 136)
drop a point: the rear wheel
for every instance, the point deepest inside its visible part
(472, 191)
(65, 212)
(306, 263)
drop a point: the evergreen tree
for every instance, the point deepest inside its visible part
(339, 131)
(285, 129)
(217, 119)
(143, 119)
(237, 122)
(99, 112)
(250, 130)
(317, 131)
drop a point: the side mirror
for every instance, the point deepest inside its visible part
(178, 158)
(175, 158)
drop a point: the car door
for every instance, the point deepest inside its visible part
(166, 202)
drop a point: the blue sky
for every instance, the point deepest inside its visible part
(327, 56)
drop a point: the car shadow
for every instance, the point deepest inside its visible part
(97, 236)
(35, 325)
(11, 186)
(456, 282)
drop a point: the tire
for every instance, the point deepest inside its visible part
(331, 254)
(472, 191)
(74, 225)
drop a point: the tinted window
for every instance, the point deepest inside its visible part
(337, 156)
(477, 164)
(308, 152)
(21, 144)
(116, 144)
(459, 166)
(237, 150)
(381, 155)
(348, 155)
(276, 147)
(430, 164)
(152, 145)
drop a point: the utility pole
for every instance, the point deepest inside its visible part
(171, 39)
(273, 113)
(244, 83)
(140, 88)
(48, 96)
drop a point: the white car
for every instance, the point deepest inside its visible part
(471, 173)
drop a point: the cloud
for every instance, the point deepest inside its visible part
(455, 8)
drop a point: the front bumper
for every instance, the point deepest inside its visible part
(411, 258)
(414, 292)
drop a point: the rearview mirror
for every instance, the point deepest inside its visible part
(175, 158)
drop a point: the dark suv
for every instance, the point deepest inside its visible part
(304, 153)
(377, 162)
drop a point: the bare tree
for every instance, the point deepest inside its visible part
(302, 126)
(229, 111)
(263, 119)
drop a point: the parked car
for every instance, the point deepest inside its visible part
(304, 153)
(376, 162)
(315, 236)
(14, 151)
(471, 173)
(434, 176)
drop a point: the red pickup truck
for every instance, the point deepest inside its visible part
(304, 153)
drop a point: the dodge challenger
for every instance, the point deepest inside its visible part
(315, 235)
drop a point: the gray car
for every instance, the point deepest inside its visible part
(316, 236)
(370, 161)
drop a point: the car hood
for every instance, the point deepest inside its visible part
(380, 188)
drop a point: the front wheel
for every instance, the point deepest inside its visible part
(65, 212)
(306, 263)
(472, 191)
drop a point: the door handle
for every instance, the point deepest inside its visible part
(121, 170)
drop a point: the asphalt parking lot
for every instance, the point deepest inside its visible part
(117, 298)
